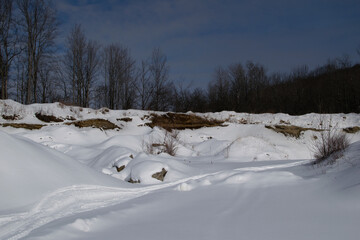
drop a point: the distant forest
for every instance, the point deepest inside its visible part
(88, 74)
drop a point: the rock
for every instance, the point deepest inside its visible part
(160, 175)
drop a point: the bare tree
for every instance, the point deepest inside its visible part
(47, 87)
(119, 71)
(344, 61)
(219, 90)
(144, 86)
(81, 64)
(9, 43)
(38, 22)
(21, 79)
(74, 61)
(159, 70)
(92, 65)
(239, 86)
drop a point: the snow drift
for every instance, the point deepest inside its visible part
(29, 171)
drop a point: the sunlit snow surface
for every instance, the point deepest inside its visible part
(240, 181)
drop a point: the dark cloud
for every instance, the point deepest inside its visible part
(199, 35)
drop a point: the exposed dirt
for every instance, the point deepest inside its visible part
(289, 130)
(47, 118)
(352, 129)
(181, 121)
(95, 123)
(23, 125)
(11, 117)
(125, 119)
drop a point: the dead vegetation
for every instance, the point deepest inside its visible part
(329, 146)
(181, 121)
(47, 118)
(352, 130)
(289, 130)
(95, 123)
(169, 144)
(23, 125)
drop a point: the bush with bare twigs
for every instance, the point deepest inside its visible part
(330, 142)
(169, 144)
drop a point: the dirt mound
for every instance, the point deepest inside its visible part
(47, 118)
(181, 121)
(95, 123)
(352, 129)
(289, 130)
(23, 125)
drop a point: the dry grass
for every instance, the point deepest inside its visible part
(352, 129)
(181, 121)
(169, 144)
(289, 130)
(23, 125)
(47, 118)
(331, 142)
(95, 123)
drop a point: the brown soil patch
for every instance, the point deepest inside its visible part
(47, 118)
(160, 175)
(23, 125)
(289, 130)
(352, 129)
(181, 121)
(95, 123)
(125, 119)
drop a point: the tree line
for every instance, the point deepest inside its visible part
(85, 74)
(88, 74)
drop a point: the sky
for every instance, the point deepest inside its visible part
(197, 36)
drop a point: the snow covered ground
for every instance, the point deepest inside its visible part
(241, 180)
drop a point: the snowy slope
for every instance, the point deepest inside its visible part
(238, 181)
(29, 171)
(286, 201)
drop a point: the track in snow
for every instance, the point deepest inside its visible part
(72, 200)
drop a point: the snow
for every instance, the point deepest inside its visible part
(239, 181)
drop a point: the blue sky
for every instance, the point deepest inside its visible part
(199, 35)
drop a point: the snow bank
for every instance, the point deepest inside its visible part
(29, 171)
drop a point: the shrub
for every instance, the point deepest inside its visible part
(169, 144)
(330, 141)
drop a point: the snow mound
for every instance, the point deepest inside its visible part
(29, 171)
(254, 148)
